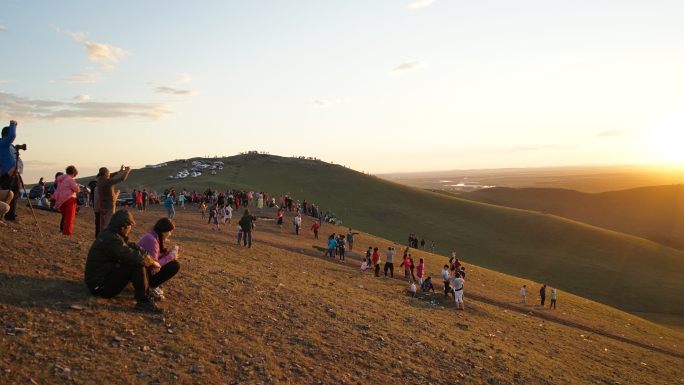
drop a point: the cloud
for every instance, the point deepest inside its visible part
(420, 4)
(23, 108)
(3, 29)
(81, 77)
(82, 97)
(4, 81)
(409, 66)
(615, 132)
(173, 91)
(534, 147)
(325, 102)
(105, 54)
(182, 78)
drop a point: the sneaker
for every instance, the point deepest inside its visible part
(157, 291)
(155, 294)
(148, 307)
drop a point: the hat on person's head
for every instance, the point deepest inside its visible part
(121, 218)
(102, 171)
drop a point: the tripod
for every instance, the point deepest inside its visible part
(16, 176)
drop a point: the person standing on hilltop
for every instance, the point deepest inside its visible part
(389, 261)
(95, 204)
(542, 294)
(145, 197)
(553, 299)
(315, 228)
(332, 245)
(446, 279)
(280, 217)
(297, 222)
(350, 239)
(8, 163)
(422, 243)
(376, 261)
(522, 294)
(420, 271)
(105, 187)
(168, 203)
(368, 255)
(432, 247)
(66, 201)
(407, 266)
(203, 209)
(246, 222)
(458, 290)
(139, 200)
(342, 245)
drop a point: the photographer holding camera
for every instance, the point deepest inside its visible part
(8, 167)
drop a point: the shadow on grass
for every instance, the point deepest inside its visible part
(41, 292)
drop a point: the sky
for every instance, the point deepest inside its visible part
(379, 86)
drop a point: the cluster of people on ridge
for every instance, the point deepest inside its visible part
(413, 242)
(542, 295)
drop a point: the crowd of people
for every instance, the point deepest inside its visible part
(113, 262)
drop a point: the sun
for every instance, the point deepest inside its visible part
(668, 143)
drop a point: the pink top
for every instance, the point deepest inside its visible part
(420, 269)
(150, 242)
(66, 189)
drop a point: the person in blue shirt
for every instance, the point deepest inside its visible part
(7, 164)
(169, 206)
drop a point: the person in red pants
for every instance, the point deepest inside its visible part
(67, 188)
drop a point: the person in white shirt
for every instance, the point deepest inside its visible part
(522, 294)
(458, 290)
(445, 278)
(229, 214)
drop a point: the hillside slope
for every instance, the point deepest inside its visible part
(602, 265)
(655, 213)
(281, 313)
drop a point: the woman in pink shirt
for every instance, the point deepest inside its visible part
(67, 188)
(420, 271)
(153, 243)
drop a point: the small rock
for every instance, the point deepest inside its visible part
(170, 331)
(359, 373)
(145, 348)
(62, 370)
(117, 339)
(77, 307)
(143, 374)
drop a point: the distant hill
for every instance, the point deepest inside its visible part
(620, 270)
(655, 213)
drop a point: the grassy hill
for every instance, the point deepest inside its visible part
(281, 313)
(655, 213)
(620, 270)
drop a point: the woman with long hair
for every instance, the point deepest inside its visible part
(153, 243)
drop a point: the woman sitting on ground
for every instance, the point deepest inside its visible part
(153, 243)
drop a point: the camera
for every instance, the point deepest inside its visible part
(21, 147)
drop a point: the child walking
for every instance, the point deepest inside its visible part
(203, 209)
